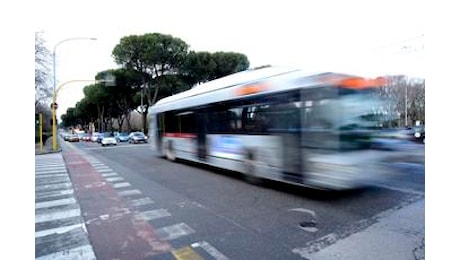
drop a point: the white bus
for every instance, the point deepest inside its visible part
(286, 125)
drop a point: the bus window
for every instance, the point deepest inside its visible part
(224, 119)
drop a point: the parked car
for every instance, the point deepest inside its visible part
(66, 136)
(122, 137)
(102, 135)
(417, 133)
(95, 136)
(137, 137)
(108, 138)
(74, 138)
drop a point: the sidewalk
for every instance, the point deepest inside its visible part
(47, 147)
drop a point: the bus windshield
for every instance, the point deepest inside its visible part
(346, 121)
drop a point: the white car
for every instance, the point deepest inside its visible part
(108, 140)
(94, 137)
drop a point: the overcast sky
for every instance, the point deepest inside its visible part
(360, 37)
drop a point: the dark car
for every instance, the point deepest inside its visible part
(137, 137)
(417, 133)
(74, 138)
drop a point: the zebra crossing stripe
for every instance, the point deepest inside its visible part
(60, 186)
(104, 170)
(52, 194)
(141, 202)
(57, 215)
(121, 185)
(210, 250)
(50, 171)
(152, 214)
(109, 174)
(82, 252)
(114, 179)
(54, 203)
(174, 231)
(58, 230)
(43, 176)
(129, 192)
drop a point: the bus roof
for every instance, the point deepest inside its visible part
(224, 88)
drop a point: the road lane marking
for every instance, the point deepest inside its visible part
(152, 214)
(52, 194)
(141, 202)
(100, 166)
(96, 163)
(109, 174)
(174, 231)
(42, 167)
(50, 171)
(210, 250)
(53, 203)
(114, 179)
(46, 165)
(57, 215)
(104, 170)
(81, 252)
(43, 176)
(58, 230)
(55, 180)
(121, 185)
(186, 253)
(60, 186)
(126, 193)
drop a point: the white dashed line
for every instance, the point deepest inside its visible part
(141, 202)
(57, 215)
(174, 231)
(152, 214)
(121, 185)
(114, 179)
(54, 203)
(82, 252)
(129, 192)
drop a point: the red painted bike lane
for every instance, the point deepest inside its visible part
(114, 231)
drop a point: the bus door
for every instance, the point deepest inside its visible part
(292, 152)
(284, 121)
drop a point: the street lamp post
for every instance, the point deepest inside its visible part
(54, 83)
(53, 106)
(54, 54)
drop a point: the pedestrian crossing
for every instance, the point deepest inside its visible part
(60, 229)
(136, 199)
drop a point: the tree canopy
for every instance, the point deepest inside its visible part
(43, 88)
(153, 66)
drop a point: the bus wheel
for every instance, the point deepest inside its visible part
(250, 171)
(170, 155)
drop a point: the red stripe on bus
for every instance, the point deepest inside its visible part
(179, 135)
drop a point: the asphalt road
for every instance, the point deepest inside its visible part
(229, 218)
